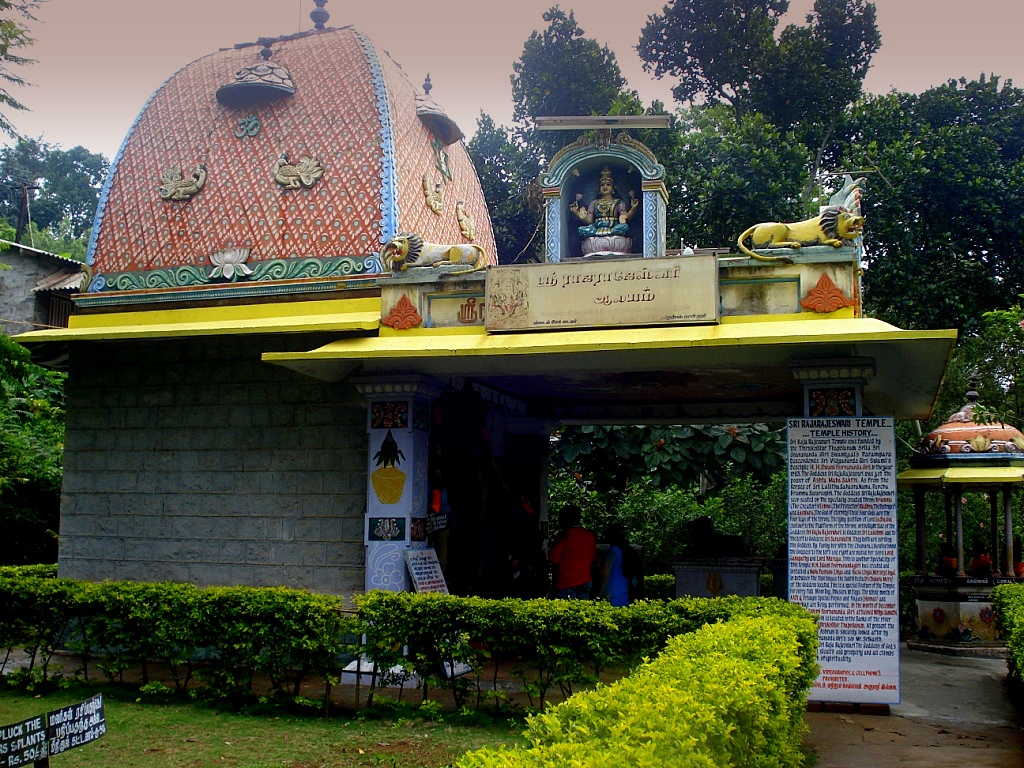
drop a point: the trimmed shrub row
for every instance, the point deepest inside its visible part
(228, 637)
(1008, 604)
(730, 694)
(231, 634)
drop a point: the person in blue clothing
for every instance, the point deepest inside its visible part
(619, 567)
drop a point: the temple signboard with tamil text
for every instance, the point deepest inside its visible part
(602, 293)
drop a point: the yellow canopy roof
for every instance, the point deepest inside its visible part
(741, 369)
(275, 317)
(948, 476)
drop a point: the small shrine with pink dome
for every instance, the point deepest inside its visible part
(968, 454)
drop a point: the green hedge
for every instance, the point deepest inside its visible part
(229, 633)
(219, 641)
(729, 694)
(550, 645)
(1008, 604)
(660, 586)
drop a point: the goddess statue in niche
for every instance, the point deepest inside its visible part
(606, 220)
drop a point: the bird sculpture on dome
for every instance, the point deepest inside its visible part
(305, 174)
(174, 185)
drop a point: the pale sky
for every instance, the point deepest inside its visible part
(98, 61)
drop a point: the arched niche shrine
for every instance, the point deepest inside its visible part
(574, 180)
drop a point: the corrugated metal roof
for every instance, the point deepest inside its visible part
(65, 280)
(27, 249)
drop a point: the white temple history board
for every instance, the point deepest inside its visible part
(843, 562)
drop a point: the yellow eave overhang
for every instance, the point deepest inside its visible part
(943, 476)
(712, 350)
(462, 343)
(328, 315)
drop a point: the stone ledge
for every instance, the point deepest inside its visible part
(971, 650)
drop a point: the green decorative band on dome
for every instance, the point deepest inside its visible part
(256, 272)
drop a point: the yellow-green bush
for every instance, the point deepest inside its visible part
(1008, 604)
(729, 694)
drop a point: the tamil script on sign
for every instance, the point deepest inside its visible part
(603, 293)
(38, 738)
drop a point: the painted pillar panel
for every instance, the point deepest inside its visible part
(398, 423)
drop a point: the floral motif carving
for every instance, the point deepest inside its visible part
(826, 296)
(403, 315)
(230, 263)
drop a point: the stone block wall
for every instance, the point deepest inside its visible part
(193, 461)
(21, 309)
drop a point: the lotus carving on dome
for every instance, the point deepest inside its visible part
(978, 443)
(230, 263)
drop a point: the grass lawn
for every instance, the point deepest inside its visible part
(166, 733)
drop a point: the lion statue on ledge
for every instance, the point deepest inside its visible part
(407, 249)
(835, 226)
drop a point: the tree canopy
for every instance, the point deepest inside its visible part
(945, 199)
(561, 72)
(714, 49)
(13, 38)
(59, 187)
(607, 457)
(726, 169)
(508, 173)
(801, 81)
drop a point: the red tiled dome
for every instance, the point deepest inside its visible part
(353, 113)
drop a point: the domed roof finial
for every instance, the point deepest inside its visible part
(318, 15)
(261, 83)
(429, 112)
(972, 388)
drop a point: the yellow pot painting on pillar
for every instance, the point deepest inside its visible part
(388, 480)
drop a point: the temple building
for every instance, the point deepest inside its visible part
(296, 360)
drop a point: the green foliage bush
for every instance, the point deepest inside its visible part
(218, 642)
(31, 456)
(660, 586)
(1008, 604)
(727, 694)
(656, 518)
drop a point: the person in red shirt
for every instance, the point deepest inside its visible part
(573, 557)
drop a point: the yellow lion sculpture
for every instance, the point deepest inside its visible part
(407, 249)
(836, 226)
